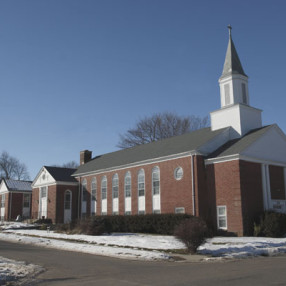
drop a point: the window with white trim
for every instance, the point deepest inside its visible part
(84, 190)
(3, 201)
(127, 185)
(156, 181)
(93, 189)
(179, 210)
(26, 200)
(141, 183)
(178, 173)
(221, 217)
(115, 186)
(103, 187)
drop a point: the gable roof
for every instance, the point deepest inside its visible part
(188, 142)
(236, 146)
(61, 174)
(16, 185)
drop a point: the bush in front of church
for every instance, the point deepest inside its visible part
(192, 232)
(271, 224)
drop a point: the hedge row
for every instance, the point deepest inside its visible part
(150, 223)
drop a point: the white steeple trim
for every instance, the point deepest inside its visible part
(242, 118)
(233, 89)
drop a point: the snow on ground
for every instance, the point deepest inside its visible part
(130, 246)
(240, 247)
(11, 270)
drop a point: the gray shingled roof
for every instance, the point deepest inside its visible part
(14, 185)
(237, 146)
(232, 64)
(175, 145)
(61, 174)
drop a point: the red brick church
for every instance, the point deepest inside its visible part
(228, 173)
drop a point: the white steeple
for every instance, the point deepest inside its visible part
(235, 110)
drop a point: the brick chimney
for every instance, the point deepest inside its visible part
(85, 156)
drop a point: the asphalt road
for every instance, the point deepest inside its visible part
(72, 268)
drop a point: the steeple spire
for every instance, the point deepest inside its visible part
(232, 63)
(235, 111)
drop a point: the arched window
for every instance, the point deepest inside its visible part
(103, 188)
(84, 190)
(115, 186)
(127, 185)
(156, 181)
(141, 183)
(93, 189)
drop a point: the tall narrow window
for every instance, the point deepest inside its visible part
(84, 190)
(93, 189)
(93, 196)
(104, 195)
(156, 181)
(141, 183)
(244, 99)
(127, 185)
(221, 217)
(67, 202)
(3, 201)
(26, 200)
(227, 94)
(103, 187)
(115, 186)
(156, 200)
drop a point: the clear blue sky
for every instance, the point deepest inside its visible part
(74, 74)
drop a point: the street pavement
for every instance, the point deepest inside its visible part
(73, 268)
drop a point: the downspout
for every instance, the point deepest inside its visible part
(78, 197)
(10, 207)
(193, 186)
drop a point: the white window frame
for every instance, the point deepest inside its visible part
(179, 168)
(93, 189)
(115, 186)
(84, 190)
(141, 175)
(29, 201)
(219, 216)
(127, 175)
(155, 170)
(180, 210)
(104, 180)
(3, 197)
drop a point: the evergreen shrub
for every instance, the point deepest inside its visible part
(271, 224)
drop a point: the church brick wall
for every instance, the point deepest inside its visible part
(252, 194)
(174, 193)
(224, 184)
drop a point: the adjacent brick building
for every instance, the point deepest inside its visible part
(15, 199)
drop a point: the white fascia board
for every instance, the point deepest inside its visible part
(3, 187)
(244, 158)
(37, 177)
(55, 184)
(141, 163)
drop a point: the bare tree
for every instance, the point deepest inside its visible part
(160, 126)
(11, 168)
(71, 164)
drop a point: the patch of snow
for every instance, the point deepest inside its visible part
(240, 247)
(11, 270)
